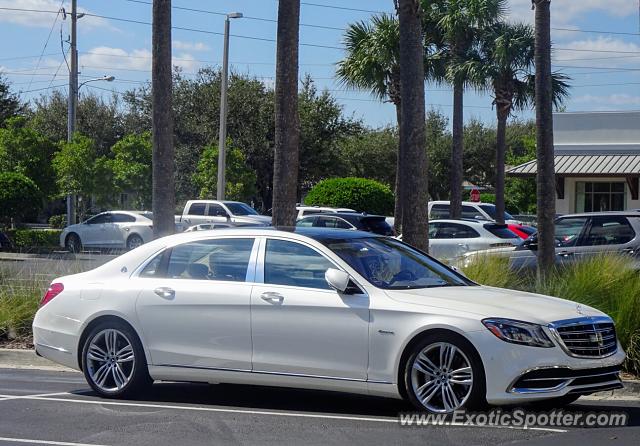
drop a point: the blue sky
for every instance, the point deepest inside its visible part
(604, 66)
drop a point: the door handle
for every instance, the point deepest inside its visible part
(272, 297)
(165, 292)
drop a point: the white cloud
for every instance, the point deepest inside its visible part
(616, 99)
(43, 19)
(109, 58)
(564, 11)
(190, 46)
(602, 51)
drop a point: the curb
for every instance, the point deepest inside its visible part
(27, 359)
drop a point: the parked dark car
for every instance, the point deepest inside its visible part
(348, 220)
(5, 242)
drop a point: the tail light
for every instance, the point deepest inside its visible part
(53, 290)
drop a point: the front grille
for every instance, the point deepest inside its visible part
(588, 337)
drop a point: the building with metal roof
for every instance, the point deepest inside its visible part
(597, 161)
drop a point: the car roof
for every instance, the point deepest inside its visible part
(480, 223)
(469, 203)
(603, 213)
(345, 214)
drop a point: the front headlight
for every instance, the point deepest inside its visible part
(518, 332)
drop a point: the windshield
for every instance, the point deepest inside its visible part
(490, 209)
(391, 265)
(240, 208)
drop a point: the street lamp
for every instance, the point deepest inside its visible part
(223, 107)
(71, 125)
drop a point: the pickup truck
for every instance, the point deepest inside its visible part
(197, 212)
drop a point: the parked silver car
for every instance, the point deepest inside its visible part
(579, 236)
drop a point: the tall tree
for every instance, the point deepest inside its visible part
(9, 103)
(505, 66)
(460, 22)
(372, 63)
(413, 164)
(163, 188)
(287, 132)
(546, 177)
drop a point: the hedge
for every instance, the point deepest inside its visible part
(360, 194)
(58, 221)
(34, 238)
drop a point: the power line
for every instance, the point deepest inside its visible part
(585, 50)
(41, 89)
(44, 48)
(593, 31)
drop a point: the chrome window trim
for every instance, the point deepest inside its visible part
(567, 381)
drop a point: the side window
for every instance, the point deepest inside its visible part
(453, 230)
(196, 209)
(342, 224)
(472, 213)
(100, 219)
(305, 222)
(433, 230)
(613, 230)
(439, 211)
(568, 231)
(332, 222)
(215, 210)
(153, 267)
(291, 263)
(219, 259)
(123, 218)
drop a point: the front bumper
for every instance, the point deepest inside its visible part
(518, 373)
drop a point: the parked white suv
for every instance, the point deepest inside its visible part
(113, 229)
(470, 210)
(213, 211)
(303, 211)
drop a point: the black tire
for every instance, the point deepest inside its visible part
(473, 399)
(139, 378)
(73, 243)
(134, 241)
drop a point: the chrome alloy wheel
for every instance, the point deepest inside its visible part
(110, 360)
(442, 377)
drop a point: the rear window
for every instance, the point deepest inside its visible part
(500, 231)
(377, 225)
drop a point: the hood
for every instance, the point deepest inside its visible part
(262, 219)
(495, 302)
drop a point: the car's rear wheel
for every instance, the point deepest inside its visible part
(444, 374)
(73, 243)
(134, 241)
(113, 361)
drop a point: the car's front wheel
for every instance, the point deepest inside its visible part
(443, 374)
(73, 243)
(113, 361)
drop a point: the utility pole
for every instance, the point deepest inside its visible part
(223, 108)
(72, 101)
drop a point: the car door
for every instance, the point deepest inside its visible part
(194, 304)
(195, 215)
(607, 233)
(450, 240)
(299, 324)
(216, 214)
(118, 230)
(93, 231)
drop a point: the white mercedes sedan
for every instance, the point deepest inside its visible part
(320, 309)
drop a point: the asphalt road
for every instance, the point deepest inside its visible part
(58, 408)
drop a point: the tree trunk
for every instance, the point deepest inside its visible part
(413, 178)
(163, 183)
(500, 154)
(544, 140)
(287, 136)
(397, 211)
(457, 149)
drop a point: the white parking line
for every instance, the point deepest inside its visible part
(57, 443)
(19, 397)
(261, 412)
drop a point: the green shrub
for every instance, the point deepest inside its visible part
(360, 194)
(35, 238)
(607, 282)
(19, 197)
(58, 221)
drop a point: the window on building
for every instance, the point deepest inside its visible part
(599, 196)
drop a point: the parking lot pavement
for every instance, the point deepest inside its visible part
(58, 408)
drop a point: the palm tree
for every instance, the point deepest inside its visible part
(372, 62)
(504, 65)
(287, 126)
(413, 176)
(460, 22)
(164, 195)
(544, 138)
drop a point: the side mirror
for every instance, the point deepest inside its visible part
(531, 243)
(338, 280)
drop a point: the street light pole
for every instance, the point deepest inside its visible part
(72, 100)
(223, 108)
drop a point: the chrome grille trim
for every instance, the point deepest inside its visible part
(586, 337)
